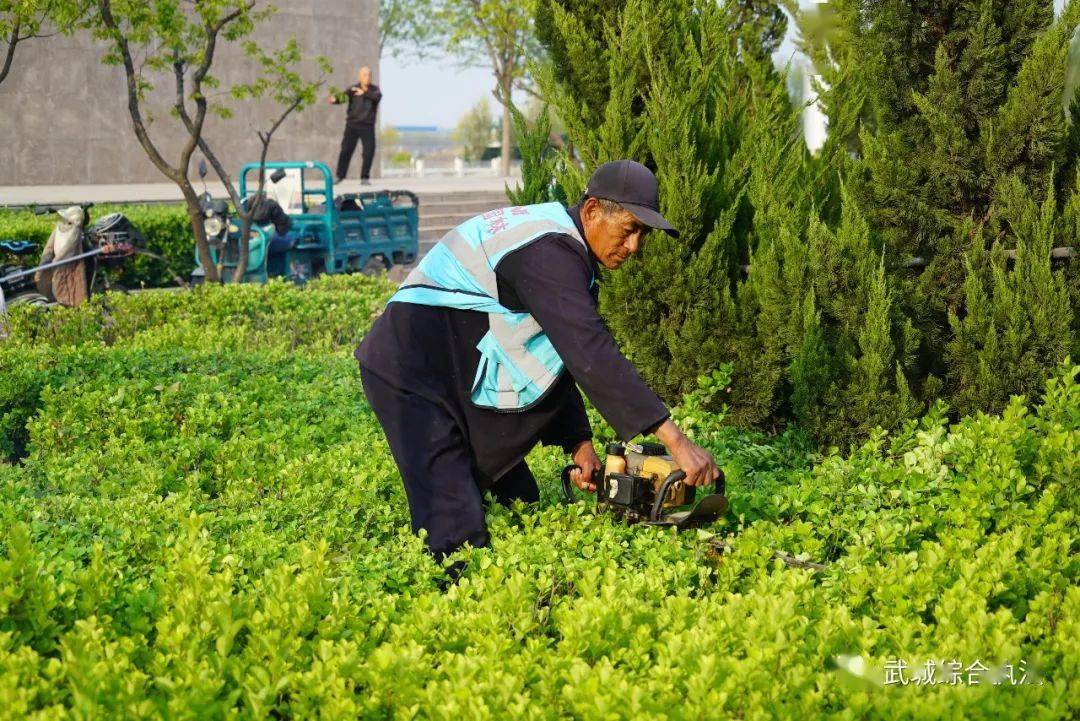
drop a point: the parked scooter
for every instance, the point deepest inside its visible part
(21, 289)
(72, 262)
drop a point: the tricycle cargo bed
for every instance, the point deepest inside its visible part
(367, 232)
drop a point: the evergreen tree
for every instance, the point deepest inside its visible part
(668, 85)
(826, 344)
(942, 105)
(1016, 321)
(575, 34)
(948, 142)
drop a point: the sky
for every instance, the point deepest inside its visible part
(438, 92)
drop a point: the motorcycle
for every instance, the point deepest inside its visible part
(73, 260)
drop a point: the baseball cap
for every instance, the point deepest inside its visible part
(634, 187)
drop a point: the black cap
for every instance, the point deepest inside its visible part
(634, 187)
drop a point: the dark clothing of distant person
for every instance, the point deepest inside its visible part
(270, 212)
(359, 126)
(418, 364)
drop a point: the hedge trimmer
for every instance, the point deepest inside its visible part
(642, 484)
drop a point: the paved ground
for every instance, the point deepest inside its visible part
(165, 192)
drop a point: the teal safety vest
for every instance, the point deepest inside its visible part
(518, 363)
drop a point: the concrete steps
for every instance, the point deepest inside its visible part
(442, 212)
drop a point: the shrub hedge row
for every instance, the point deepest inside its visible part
(204, 521)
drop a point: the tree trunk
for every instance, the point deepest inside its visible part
(195, 214)
(506, 120)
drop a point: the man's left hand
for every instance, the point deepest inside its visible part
(587, 463)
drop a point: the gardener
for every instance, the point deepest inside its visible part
(464, 369)
(360, 115)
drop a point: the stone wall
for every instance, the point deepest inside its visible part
(64, 117)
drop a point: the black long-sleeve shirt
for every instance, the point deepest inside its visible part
(432, 351)
(362, 106)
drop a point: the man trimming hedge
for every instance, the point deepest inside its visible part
(466, 368)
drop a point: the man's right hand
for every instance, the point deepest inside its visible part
(695, 462)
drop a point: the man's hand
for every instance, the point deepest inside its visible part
(587, 462)
(696, 462)
(359, 90)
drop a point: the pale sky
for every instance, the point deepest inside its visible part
(437, 92)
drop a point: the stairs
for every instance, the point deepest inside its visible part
(441, 212)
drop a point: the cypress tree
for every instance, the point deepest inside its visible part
(949, 140)
(671, 86)
(944, 106)
(1016, 321)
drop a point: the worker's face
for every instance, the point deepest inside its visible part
(364, 76)
(613, 237)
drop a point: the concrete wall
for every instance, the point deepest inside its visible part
(64, 117)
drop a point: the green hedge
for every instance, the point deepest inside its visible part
(166, 227)
(206, 522)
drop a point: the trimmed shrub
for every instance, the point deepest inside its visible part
(209, 523)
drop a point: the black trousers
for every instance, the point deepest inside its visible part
(437, 468)
(353, 133)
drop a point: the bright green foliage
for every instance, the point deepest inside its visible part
(814, 333)
(826, 333)
(538, 161)
(207, 523)
(575, 34)
(24, 20)
(943, 118)
(167, 229)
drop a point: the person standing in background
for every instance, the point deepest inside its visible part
(363, 104)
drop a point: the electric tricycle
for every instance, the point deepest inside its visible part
(301, 229)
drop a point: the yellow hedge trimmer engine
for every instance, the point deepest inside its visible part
(642, 484)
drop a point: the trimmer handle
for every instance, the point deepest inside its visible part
(719, 486)
(568, 485)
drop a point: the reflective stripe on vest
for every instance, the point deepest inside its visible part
(518, 363)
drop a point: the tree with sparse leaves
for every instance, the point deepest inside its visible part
(23, 20)
(497, 34)
(175, 42)
(405, 27)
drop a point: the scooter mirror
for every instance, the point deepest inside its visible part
(277, 175)
(202, 169)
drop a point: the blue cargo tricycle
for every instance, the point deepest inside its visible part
(301, 229)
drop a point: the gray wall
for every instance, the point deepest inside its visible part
(64, 117)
